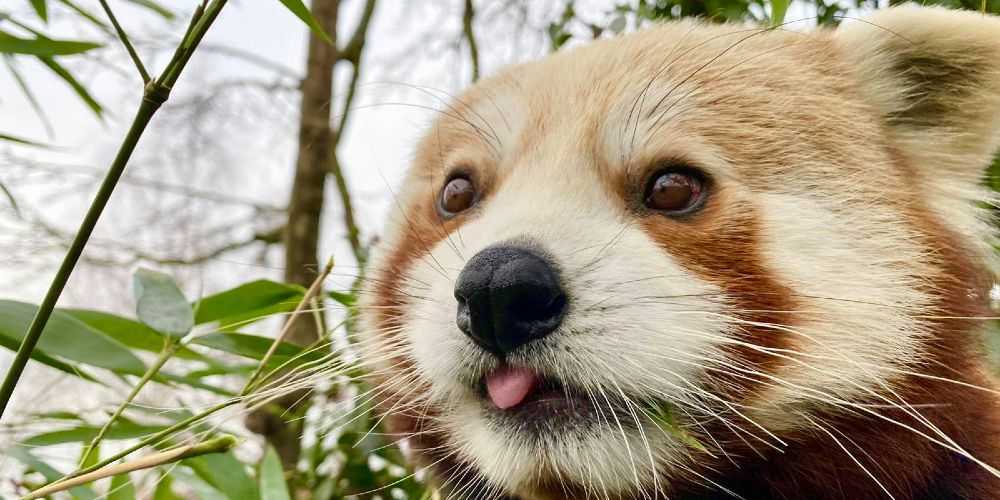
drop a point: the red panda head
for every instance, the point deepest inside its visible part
(654, 264)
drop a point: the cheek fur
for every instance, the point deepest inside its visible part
(388, 295)
(721, 245)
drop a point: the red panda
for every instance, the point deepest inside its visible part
(703, 262)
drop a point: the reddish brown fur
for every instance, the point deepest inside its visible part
(721, 245)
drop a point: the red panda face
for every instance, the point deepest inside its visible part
(620, 270)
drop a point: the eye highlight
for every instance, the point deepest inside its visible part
(458, 195)
(675, 191)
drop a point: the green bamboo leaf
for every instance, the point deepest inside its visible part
(22, 84)
(71, 80)
(193, 382)
(130, 333)
(40, 46)
(203, 490)
(50, 473)
(56, 415)
(242, 369)
(21, 140)
(302, 12)
(121, 429)
(778, 10)
(255, 300)
(66, 338)
(49, 361)
(272, 477)
(664, 417)
(92, 457)
(165, 488)
(255, 347)
(345, 299)
(86, 14)
(41, 8)
(225, 473)
(618, 24)
(160, 304)
(121, 488)
(155, 7)
(10, 199)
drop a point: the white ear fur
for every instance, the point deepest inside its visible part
(933, 75)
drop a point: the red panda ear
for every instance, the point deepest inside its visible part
(933, 75)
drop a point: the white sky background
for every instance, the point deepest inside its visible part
(241, 144)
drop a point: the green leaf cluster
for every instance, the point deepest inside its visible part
(90, 343)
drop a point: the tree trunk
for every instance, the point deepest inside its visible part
(302, 231)
(315, 147)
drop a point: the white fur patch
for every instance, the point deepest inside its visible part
(635, 319)
(854, 273)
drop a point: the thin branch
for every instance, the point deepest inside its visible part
(252, 58)
(125, 41)
(152, 439)
(269, 237)
(169, 349)
(144, 182)
(135, 254)
(350, 221)
(220, 444)
(352, 51)
(468, 16)
(352, 89)
(312, 292)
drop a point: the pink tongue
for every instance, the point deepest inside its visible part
(509, 386)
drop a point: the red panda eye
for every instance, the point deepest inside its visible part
(674, 191)
(458, 195)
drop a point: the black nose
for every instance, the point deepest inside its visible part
(507, 297)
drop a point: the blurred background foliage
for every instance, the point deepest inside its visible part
(319, 439)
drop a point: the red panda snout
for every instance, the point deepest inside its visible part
(507, 297)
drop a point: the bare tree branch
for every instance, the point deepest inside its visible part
(352, 54)
(136, 254)
(139, 181)
(271, 236)
(352, 51)
(468, 16)
(252, 58)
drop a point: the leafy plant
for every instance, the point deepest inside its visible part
(202, 337)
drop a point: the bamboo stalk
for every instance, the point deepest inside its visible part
(220, 444)
(155, 93)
